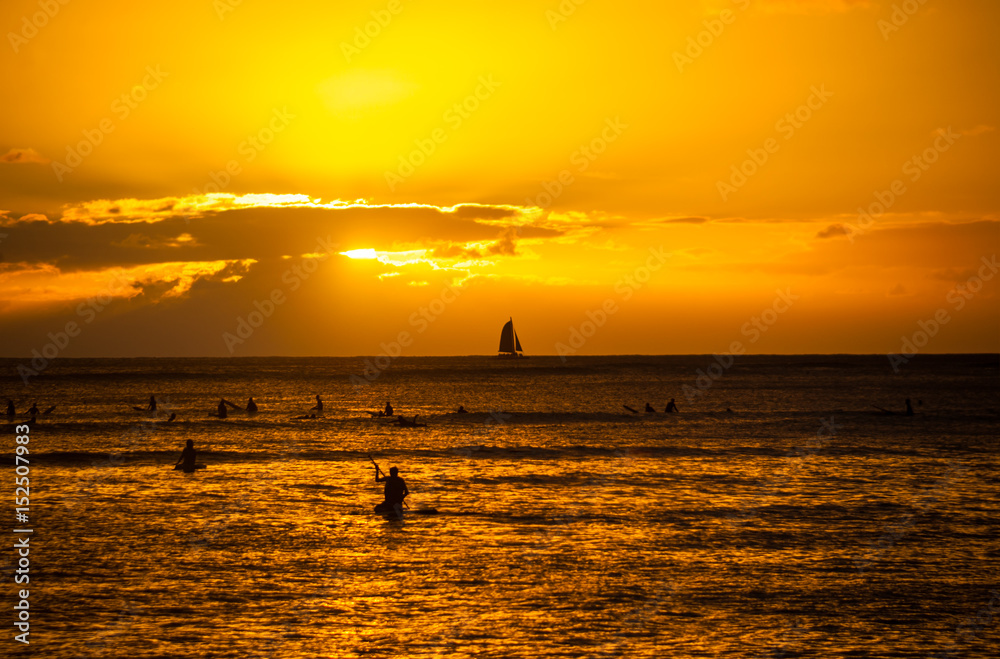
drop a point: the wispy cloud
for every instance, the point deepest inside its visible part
(812, 6)
(20, 156)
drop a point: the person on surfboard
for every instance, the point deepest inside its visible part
(318, 407)
(671, 406)
(251, 406)
(649, 409)
(187, 458)
(388, 409)
(222, 409)
(395, 490)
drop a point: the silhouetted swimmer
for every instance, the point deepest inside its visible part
(402, 421)
(305, 416)
(388, 409)
(461, 410)
(222, 409)
(33, 410)
(152, 403)
(251, 406)
(395, 491)
(909, 408)
(10, 408)
(173, 415)
(649, 409)
(187, 457)
(671, 406)
(319, 404)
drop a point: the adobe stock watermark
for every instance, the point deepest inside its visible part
(913, 169)
(971, 626)
(794, 461)
(121, 107)
(714, 27)
(787, 127)
(292, 278)
(372, 29)
(30, 25)
(900, 16)
(249, 148)
(928, 328)
(61, 338)
(454, 117)
(223, 7)
(582, 159)
(891, 533)
(562, 12)
(421, 320)
(753, 329)
(624, 289)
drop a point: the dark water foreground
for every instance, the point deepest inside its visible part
(805, 523)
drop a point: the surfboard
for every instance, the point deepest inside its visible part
(196, 466)
(630, 409)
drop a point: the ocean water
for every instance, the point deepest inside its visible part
(548, 522)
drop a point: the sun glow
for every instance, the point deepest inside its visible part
(367, 253)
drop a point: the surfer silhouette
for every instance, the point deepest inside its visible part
(395, 490)
(909, 408)
(152, 403)
(462, 410)
(388, 409)
(671, 406)
(10, 407)
(251, 406)
(33, 410)
(187, 458)
(222, 409)
(319, 404)
(649, 409)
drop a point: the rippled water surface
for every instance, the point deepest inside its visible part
(549, 521)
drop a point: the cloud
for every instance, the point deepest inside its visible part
(26, 285)
(834, 230)
(506, 244)
(978, 130)
(897, 290)
(684, 220)
(811, 6)
(19, 156)
(147, 242)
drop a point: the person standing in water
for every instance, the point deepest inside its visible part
(395, 491)
(152, 403)
(671, 406)
(10, 407)
(187, 458)
(33, 410)
(388, 409)
(222, 409)
(909, 408)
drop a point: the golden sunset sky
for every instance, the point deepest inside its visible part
(348, 171)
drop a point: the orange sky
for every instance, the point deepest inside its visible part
(165, 172)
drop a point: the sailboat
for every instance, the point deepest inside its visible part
(510, 345)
